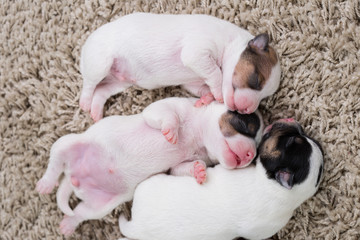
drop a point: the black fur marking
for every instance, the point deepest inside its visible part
(319, 176)
(321, 167)
(246, 124)
(295, 152)
(254, 81)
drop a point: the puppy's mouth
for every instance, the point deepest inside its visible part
(233, 157)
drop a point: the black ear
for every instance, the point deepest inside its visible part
(285, 178)
(260, 42)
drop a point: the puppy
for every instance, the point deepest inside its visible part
(104, 164)
(207, 56)
(253, 203)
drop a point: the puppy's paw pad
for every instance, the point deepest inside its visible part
(204, 100)
(45, 186)
(200, 172)
(96, 115)
(67, 226)
(171, 135)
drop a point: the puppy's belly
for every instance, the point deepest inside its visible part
(93, 174)
(153, 74)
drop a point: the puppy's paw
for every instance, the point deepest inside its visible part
(67, 226)
(200, 172)
(85, 104)
(204, 100)
(217, 95)
(45, 186)
(96, 114)
(170, 134)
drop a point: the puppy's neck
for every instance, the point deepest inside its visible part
(292, 198)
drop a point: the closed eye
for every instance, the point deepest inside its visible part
(254, 81)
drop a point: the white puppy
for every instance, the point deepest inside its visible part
(253, 203)
(207, 56)
(104, 164)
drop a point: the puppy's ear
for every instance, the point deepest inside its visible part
(294, 140)
(260, 42)
(285, 178)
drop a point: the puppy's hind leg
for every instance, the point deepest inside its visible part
(196, 169)
(60, 152)
(95, 65)
(164, 116)
(96, 205)
(105, 89)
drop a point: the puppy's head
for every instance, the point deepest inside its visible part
(256, 76)
(242, 133)
(289, 156)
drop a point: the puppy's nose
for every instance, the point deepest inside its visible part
(249, 156)
(244, 105)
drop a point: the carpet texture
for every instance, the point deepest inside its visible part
(318, 42)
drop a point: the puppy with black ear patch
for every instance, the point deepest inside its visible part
(253, 202)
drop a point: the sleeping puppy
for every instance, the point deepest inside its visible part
(253, 202)
(104, 164)
(209, 57)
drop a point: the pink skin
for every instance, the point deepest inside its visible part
(199, 172)
(245, 105)
(205, 100)
(290, 120)
(238, 155)
(170, 135)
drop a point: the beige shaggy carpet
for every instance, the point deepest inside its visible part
(40, 42)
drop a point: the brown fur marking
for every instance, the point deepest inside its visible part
(269, 148)
(225, 127)
(254, 60)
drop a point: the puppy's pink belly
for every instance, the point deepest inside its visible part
(121, 70)
(95, 175)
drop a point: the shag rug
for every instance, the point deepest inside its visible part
(40, 41)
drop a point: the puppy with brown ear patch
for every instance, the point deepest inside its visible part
(254, 202)
(209, 57)
(103, 165)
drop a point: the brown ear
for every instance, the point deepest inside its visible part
(260, 42)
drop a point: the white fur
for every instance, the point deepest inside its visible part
(163, 50)
(233, 203)
(122, 151)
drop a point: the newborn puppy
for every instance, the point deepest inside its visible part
(207, 56)
(104, 164)
(253, 203)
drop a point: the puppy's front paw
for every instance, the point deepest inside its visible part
(45, 186)
(200, 172)
(204, 100)
(217, 94)
(171, 135)
(67, 226)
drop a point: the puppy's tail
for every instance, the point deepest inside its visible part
(63, 195)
